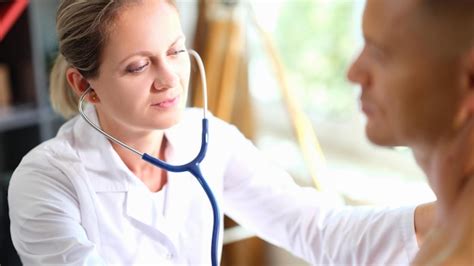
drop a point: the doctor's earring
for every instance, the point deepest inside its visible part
(93, 97)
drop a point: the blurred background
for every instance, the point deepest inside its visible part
(276, 69)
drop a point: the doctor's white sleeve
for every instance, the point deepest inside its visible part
(265, 199)
(45, 218)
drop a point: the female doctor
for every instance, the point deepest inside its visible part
(81, 199)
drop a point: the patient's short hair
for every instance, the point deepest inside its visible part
(448, 24)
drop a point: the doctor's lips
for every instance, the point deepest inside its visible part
(167, 103)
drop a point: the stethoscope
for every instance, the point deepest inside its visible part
(192, 167)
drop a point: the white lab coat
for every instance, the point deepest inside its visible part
(73, 201)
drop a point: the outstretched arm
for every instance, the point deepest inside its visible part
(265, 199)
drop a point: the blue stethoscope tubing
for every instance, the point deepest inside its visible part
(192, 167)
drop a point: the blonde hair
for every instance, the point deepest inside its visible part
(82, 27)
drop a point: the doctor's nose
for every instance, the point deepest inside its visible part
(165, 78)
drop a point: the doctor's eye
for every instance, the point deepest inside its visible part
(137, 68)
(177, 52)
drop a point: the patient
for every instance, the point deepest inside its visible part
(416, 72)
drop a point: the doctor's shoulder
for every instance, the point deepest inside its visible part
(47, 161)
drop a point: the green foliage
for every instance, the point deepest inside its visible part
(316, 41)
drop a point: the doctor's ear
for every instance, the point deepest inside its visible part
(79, 84)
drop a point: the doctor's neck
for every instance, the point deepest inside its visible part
(153, 177)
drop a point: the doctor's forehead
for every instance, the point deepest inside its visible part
(154, 19)
(152, 26)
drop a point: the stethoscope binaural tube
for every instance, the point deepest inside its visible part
(192, 167)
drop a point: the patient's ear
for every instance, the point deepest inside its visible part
(467, 102)
(470, 68)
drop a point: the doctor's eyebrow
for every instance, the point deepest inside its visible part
(180, 37)
(148, 53)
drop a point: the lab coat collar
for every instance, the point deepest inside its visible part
(98, 155)
(107, 172)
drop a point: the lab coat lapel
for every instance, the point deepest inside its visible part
(180, 150)
(104, 167)
(177, 205)
(141, 207)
